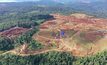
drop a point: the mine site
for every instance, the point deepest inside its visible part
(13, 32)
(53, 32)
(80, 34)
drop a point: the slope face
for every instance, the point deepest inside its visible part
(82, 36)
(13, 32)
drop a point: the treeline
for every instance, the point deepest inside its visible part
(27, 14)
(31, 16)
(98, 59)
(53, 58)
(24, 7)
(27, 38)
(50, 58)
(26, 20)
(9, 44)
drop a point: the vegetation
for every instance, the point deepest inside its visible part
(99, 59)
(50, 58)
(35, 45)
(53, 58)
(26, 20)
(6, 44)
(31, 16)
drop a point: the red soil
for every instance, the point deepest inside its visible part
(93, 36)
(62, 22)
(13, 32)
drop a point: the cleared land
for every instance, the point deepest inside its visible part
(82, 36)
(13, 32)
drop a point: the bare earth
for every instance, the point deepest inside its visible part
(83, 36)
(73, 26)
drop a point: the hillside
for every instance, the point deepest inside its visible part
(53, 32)
(70, 39)
(50, 6)
(77, 33)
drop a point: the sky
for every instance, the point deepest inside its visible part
(16, 0)
(55, 0)
(7, 0)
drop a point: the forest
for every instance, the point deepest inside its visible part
(31, 16)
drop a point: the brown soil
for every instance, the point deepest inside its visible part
(73, 25)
